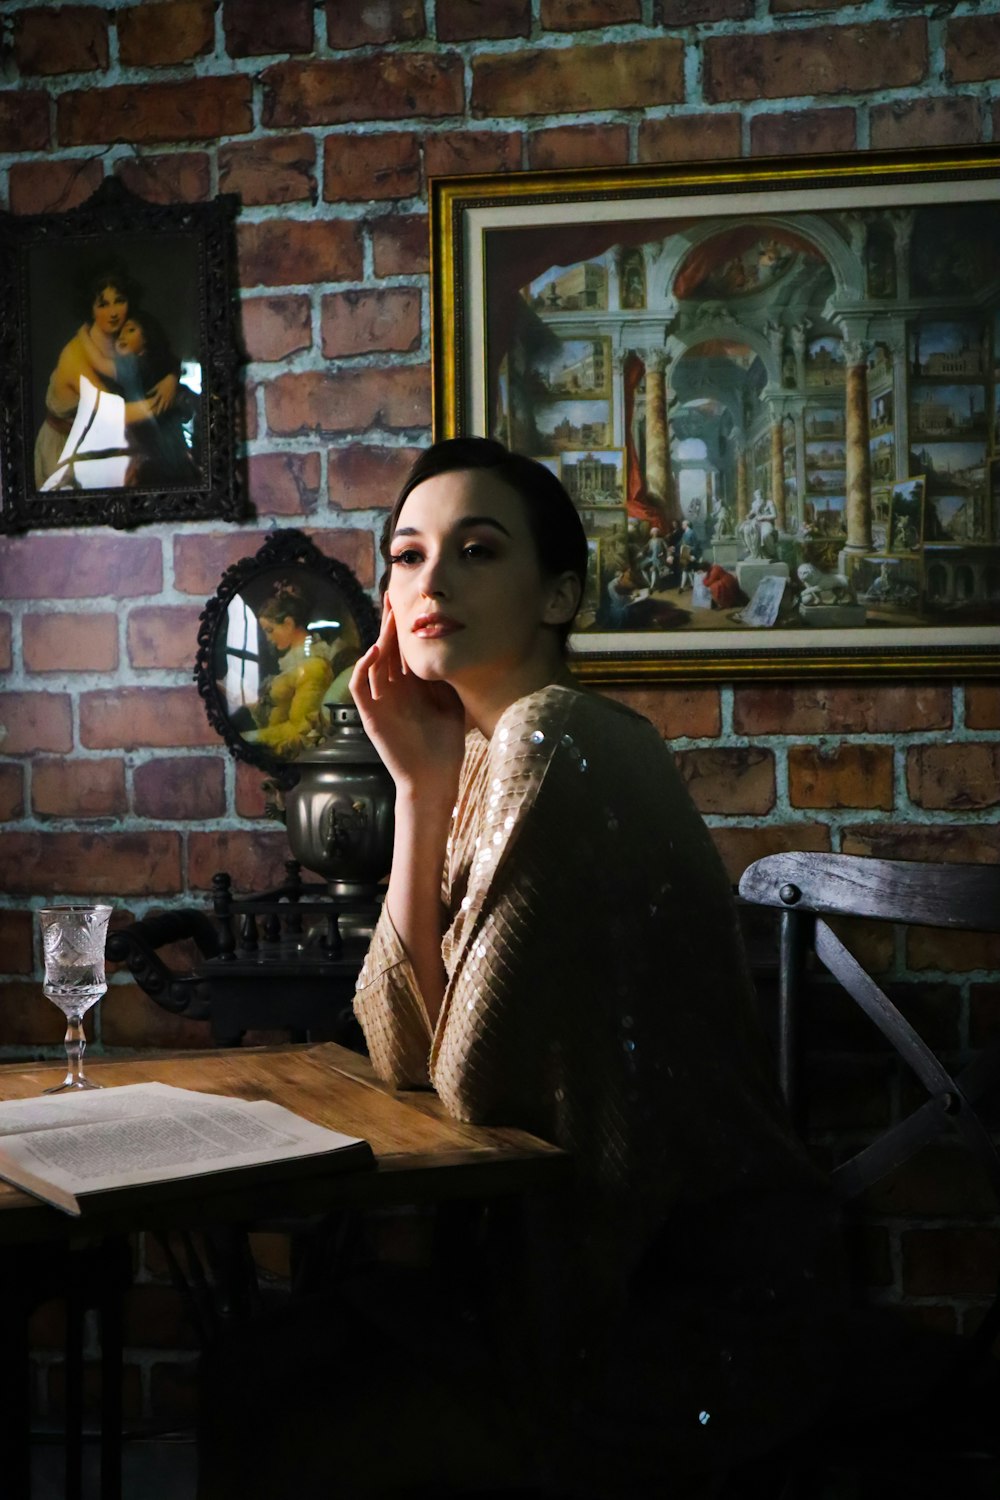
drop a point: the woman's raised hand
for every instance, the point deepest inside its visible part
(417, 727)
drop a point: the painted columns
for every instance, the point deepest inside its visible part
(858, 455)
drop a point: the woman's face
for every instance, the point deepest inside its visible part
(465, 584)
(281, 633)
(131, 339)
(110, 309)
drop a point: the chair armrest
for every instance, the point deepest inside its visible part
(184, 994)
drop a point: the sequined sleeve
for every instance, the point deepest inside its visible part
(392, 1014)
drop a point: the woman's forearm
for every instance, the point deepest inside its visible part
(414, 894)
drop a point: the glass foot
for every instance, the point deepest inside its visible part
(72, 1084)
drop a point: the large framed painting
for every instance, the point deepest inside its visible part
(771, 388)
(119, 391)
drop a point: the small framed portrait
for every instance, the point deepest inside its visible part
(120, 392)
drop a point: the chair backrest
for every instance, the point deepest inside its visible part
(807, 888)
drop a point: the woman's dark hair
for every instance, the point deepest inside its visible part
(556, 528)
(96, 278)
(286, 601)
(157, 358)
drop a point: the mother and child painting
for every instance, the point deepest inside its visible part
(120, 407)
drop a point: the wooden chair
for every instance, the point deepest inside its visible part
(809, 890)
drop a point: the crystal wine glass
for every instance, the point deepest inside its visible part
(73, 940)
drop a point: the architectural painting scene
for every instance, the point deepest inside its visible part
(787, 421)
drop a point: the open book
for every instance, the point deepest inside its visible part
(66, 1145)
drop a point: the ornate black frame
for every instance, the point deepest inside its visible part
(286, 549)
(115, 213)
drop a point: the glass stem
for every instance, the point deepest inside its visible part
(76, 1044)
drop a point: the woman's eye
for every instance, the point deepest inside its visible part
(405, 559)
(477, 551)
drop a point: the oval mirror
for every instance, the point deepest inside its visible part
(276, 646)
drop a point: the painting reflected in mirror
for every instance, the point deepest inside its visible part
(277, 646)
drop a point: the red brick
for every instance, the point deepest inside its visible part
(940, 1182)
(350, 26)
(689, 138)
(283, 252)
(176, 788)
(580, 15)
(276, 171)
(618, 75)
(51, 187)
(969, 844)
(837, 708)
(473, 20)
(77, 43)
(955, 1262)
(254, 860)
(201, 560)
(6, 661)
(78, 788)
(68, 642)
(363, 478)
(251, 799)
(24, 121)
(972, 48)
(91, 864)
(788, 7)
(196, 110)
(822, 60)
(400, 246)
(951, 952)
(31, 722)
(697, 12)
(737, 780)
(275, 327)
(383, 86)
(578, 146)
(689, 712)
(454, 152)
(174, 177)
(841, 776)
(11, 791)
(156, 36)
(79, 567)
(362, 168)
(256, 27)
(132, 717)
(16, 942)
(348, 401)
(925, 122)
(284, 484)
(353, 546)
(953, 776)
(27, 1019)
(847, 1094)
(739, 847)
(804, 130)
(370, 322)
(163, 635)
(982, 705)
(250, 411)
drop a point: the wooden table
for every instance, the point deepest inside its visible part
(421, 1156)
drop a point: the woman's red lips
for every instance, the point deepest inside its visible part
(431, 626)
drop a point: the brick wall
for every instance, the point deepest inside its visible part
(328, 119)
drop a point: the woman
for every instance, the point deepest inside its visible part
(90, 355)
(558, 951)
(290, 701)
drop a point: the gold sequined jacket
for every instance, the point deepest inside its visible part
(597, 996)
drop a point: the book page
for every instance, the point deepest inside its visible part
(147, 1132)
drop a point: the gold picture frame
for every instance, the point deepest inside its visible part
(751, 361)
